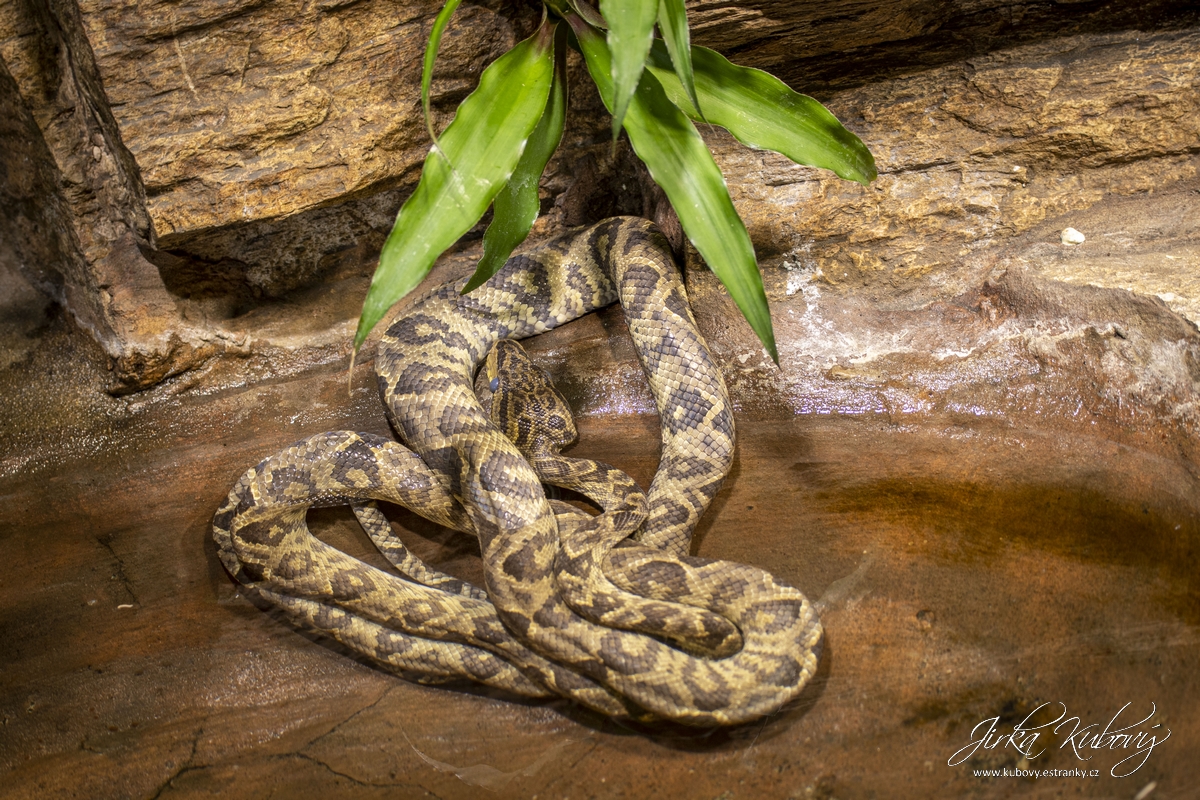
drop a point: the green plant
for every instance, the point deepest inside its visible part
(503, 134)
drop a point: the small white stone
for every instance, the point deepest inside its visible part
(1072, 236)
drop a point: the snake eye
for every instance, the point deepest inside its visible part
(495, 384)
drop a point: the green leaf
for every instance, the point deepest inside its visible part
(483, 143)
(630, 32)
(435, 39)
(680, 163)
(673, 24)
(589, 14)
(762, 112)
(517, 204)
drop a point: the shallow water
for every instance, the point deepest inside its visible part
(966, 568)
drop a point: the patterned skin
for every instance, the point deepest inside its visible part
(570, 598)
(527, 408)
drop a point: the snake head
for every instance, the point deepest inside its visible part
(525, 404)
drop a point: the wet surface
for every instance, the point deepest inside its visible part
(979, 453)
(967, 567)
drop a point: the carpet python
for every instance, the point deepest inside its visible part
(607, 610)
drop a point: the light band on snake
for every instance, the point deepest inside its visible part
(609, 611)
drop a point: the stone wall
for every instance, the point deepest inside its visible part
(82, 224)
(217, 175)
(978, 154)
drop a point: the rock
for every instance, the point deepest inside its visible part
(216, 110)
(930, 533)
(971, 155)
(1072, 236)
(246, 146)
(37, 242)
(261, 111)
(978, 453)
(822, 48)
(81, 223)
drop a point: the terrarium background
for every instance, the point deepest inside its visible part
(979, 449)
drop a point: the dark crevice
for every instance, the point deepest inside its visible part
(1038, 156)
(106, 543)
(331, 770)
(176, 28)
(358, 781)
(966, 36)
(921, 167)
(183, 768)
(338, 726)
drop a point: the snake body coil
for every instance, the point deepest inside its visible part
(570, 602)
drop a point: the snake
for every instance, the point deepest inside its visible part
(608, 610)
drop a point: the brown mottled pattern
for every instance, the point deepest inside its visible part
(531, 412)
(609, 610)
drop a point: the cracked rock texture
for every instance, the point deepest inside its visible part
(205, 163)
(978, 452)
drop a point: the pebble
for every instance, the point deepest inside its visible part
(1072, 236)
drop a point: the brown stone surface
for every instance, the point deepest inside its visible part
(260, 110)
(76, 214)
(36, 236)
(269, 108)
(974, 153)
(979, 451)
(828, 46)
(267, 146)
(970, 562)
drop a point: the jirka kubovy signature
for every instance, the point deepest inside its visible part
(1026, 738)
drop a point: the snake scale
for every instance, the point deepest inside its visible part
(610, 610)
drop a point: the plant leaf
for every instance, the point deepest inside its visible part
(589, 14)
(673, 25)
(762, 112)
(680, 163)
(479, 151)
(517, 204)
(435, 39)
(630, 32)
